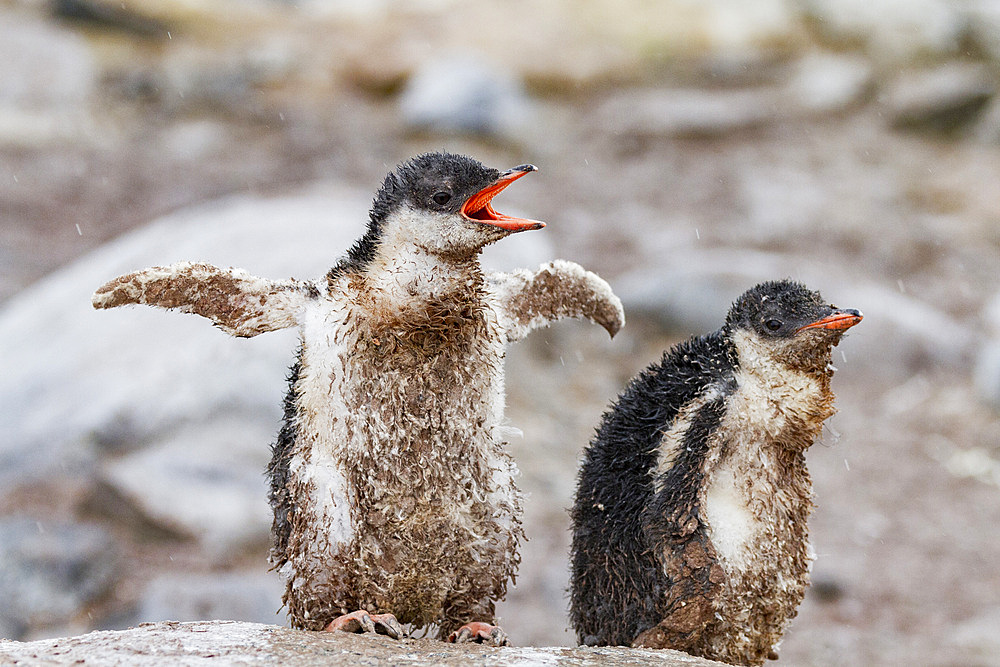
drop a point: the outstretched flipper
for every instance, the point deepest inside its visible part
(558, 289)
(237, 302)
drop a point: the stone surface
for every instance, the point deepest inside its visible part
(824, 82)
(202, 481)
(688, 112)
(984, 26)
(253, 644)
(50, 570)
(46, 84)
(891, 30)
(944, 99)
(45, 66)
(462, 93)
(987, 370)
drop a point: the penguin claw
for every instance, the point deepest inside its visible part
(480, 633)
(361, 621)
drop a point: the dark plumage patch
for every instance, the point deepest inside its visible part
(614, 566)
(786, 302)
(279, 493)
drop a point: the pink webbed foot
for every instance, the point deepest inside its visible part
(481, 633)
(362, 621)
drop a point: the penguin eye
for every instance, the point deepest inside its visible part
(441, 198)
(772, 324)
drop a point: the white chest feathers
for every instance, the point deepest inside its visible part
(726, 509)
(773, 400)
(395, 413)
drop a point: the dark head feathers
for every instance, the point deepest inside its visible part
(777, 308)
(416, 182)
(418, 179)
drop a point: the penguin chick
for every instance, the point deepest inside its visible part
(689, 523)
(393, 493)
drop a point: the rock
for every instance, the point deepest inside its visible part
(987, 128)
(983, 17)
(109, 16)
(45, 66)
(987, 371)
(48, 78)
(50, 570)
(252, 643)
(688, 112)
(728, 28)
(205, 481)
(781, 200)
(977, 633)
(987, 374)
(192, 77)
(197, 597)
(890, 30)
(943, 99)
(461, 93)
(824, 82)
(79, 382)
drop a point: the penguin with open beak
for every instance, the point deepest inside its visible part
(690, 517)
(393, 492)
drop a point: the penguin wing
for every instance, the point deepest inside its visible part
(238, 303)
(695, 580)
(558, 289)
(694, 577)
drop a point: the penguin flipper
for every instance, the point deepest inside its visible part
(238, 303)
(558, 289)
(696, 579)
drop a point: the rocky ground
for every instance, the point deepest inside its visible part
(242, 643)
(685, 152)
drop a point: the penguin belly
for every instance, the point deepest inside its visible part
(410, 503)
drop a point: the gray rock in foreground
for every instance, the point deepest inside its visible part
(229, 642)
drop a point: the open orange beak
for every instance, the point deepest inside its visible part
(478, 206)
(838, 319)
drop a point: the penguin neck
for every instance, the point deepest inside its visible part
(757, 495)
(405, 275)
(780, 404)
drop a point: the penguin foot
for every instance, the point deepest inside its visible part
(361, 621)
(480, 633)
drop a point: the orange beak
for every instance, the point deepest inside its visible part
(478, 207)
(839, 319)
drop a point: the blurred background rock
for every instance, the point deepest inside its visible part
(687, 150)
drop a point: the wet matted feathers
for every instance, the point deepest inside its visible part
(391, 483)
(690, 517)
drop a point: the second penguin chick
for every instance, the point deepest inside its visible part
(689, 525)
